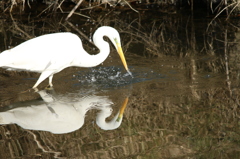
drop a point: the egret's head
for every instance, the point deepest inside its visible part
(115, 39)
(114, 36)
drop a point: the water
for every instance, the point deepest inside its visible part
(114, 77)
(182, 96)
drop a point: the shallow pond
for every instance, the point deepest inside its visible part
(182, 102)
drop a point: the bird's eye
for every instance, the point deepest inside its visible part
(105, 38)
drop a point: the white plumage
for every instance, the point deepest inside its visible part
(51, 53)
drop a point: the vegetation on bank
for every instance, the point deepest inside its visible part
(215, 7)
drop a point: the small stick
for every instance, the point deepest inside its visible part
(131, 6)
(73, 10)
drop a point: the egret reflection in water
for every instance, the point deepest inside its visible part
(62, 115)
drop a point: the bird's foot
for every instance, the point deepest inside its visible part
(49, 87)
(30, 90)
(35, 89)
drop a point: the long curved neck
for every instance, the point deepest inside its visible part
(94, 60)
(102, 45)
(115, 122)
(104, 48)
(111, 125)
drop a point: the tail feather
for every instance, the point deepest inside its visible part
(3, 59)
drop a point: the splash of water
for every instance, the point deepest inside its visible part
(111, 77)
(107, 77)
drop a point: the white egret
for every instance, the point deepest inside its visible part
(61, 114)
(51, 53)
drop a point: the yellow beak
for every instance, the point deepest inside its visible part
(120, 52)
(122, 109)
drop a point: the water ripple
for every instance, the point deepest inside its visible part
(109, 77)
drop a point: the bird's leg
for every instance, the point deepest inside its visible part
(30, 90)
(42, 77)
(50, 80)
(50, 86)
(35, 89)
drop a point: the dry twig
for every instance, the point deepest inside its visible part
(73, 10)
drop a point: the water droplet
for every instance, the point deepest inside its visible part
(93, 79)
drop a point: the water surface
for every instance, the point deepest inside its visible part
(182, 102)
